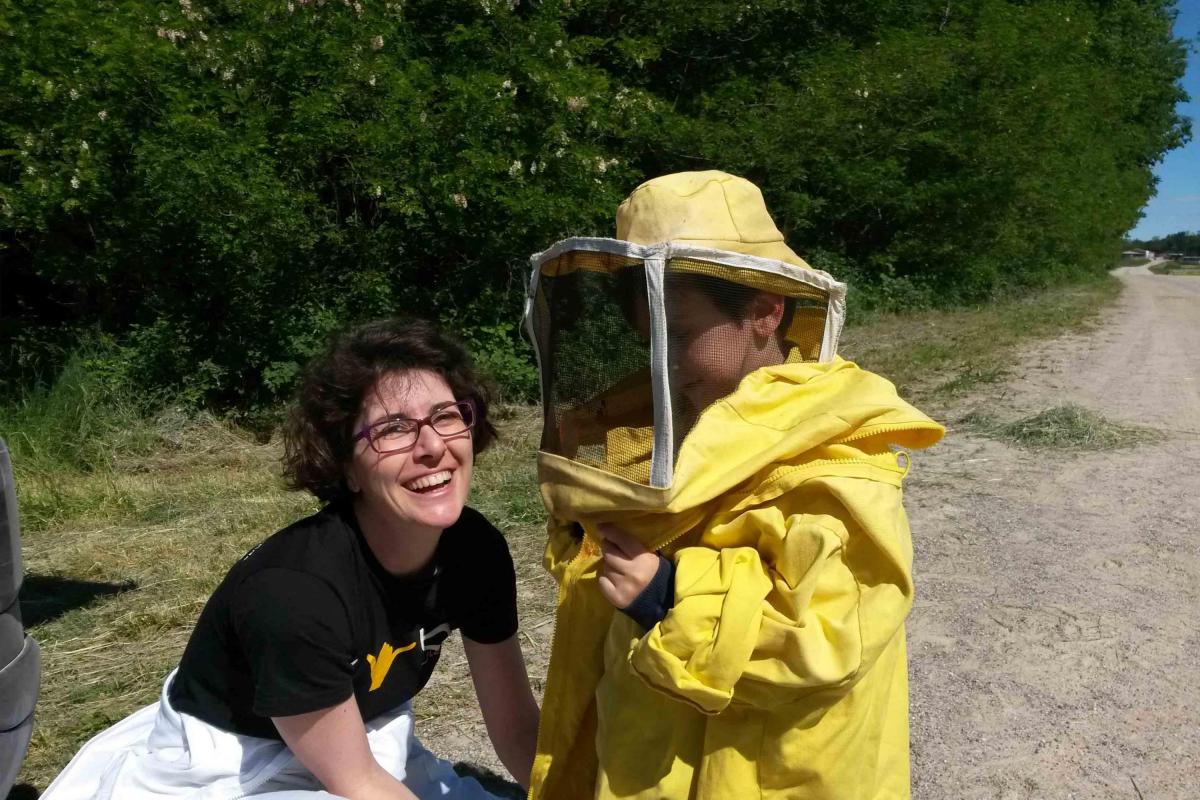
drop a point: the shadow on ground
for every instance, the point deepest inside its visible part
(489, 780)
(48, 597)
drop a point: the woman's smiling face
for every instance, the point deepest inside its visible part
(425, 487)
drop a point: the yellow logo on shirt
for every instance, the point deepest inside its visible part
(381, 664)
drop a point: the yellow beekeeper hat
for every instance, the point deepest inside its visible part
(705, 209)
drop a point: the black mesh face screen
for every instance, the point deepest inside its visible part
(710, 344)
(593, 330)
(721, 319)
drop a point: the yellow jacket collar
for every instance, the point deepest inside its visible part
(777, 415)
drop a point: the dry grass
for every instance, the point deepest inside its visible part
(119, 563)
(121, 555)
(1068, 427)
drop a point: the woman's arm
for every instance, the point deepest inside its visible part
(509, 710)
(332, 744)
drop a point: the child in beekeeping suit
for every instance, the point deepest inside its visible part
(726, 528)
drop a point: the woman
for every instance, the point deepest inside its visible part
(299, 673)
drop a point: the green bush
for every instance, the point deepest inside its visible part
(219, 184)
(80, 420)
(504, 360)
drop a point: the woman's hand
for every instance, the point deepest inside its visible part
(628, 566)
(509, 710)
(332, 744)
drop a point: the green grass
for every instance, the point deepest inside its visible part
(932, 356)
(1175, 268)
(131, 519)
(1067, 427)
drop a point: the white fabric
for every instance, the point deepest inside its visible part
(662, 461)
(158, 753)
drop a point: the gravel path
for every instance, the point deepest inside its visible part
(1055, 643)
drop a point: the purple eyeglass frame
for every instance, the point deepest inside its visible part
(466, 405)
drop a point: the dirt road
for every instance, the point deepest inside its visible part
(1055, 643)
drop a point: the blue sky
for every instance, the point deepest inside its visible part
(1176, 207)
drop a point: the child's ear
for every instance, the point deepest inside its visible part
(765, 313)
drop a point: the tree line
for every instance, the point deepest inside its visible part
(209, 187)
(1184, 242)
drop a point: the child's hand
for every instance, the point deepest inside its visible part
(628, 566)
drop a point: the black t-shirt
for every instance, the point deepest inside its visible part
(310, 617)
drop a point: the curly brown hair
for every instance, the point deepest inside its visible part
(318, 438)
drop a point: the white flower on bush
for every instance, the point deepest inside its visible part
(377, 43)
(74, 181)
(102, 114)
(377, 191)
(459, 199)
(514, 169)
(73, 94)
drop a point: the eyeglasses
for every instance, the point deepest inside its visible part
(397, 434)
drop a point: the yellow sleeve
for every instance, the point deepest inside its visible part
(804, 608)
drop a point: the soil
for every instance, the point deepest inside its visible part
(1054, 646)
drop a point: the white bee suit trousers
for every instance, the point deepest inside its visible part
(158, 752)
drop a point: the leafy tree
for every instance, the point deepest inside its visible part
(220, 184)
(1179, 242)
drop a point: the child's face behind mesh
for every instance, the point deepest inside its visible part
(710, 350)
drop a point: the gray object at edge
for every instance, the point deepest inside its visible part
(20, 658)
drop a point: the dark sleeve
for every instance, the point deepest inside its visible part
(481, 586)
(295, 633)
(651, 606)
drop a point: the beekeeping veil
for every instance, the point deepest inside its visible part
(627, 360)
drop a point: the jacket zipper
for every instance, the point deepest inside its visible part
(874, 430)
